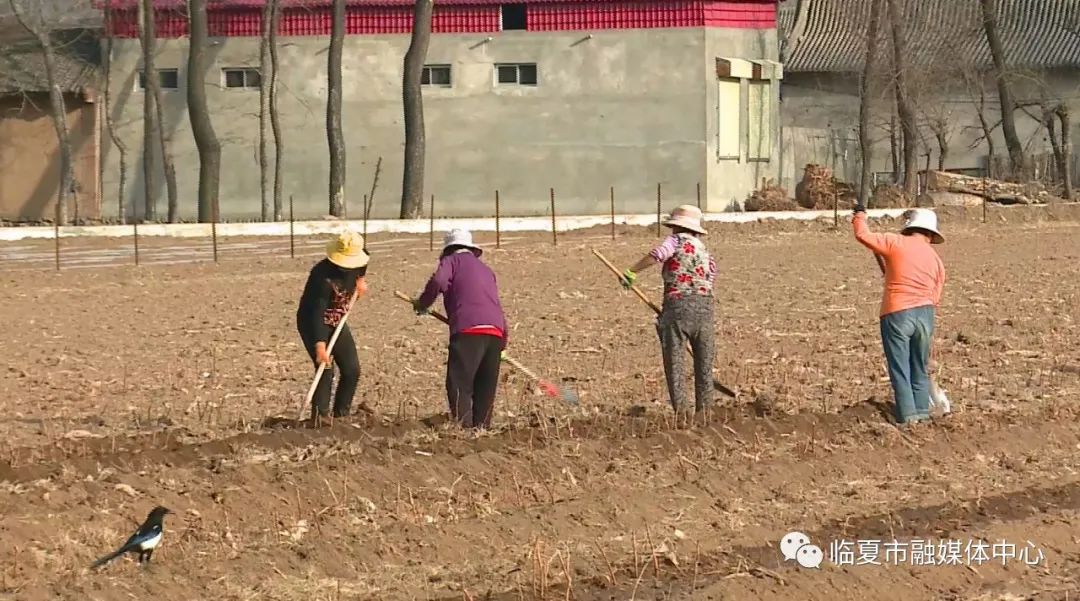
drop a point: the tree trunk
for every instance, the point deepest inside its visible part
(275, 115)
(870, 68)
(1008, 102)
(903, 100)
(943, 145)
(57, 112)
(412, 186)
(153, 86)
(1050, 123)
(988, 132)
(110, 122)
(334, 136)
(894, 144)
(1066, 149)
(202, 129)
(150, 127)
(264, 111)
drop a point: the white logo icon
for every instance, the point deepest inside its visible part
(809, 556)
(790, 544)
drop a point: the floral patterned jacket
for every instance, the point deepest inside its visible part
(688, 267)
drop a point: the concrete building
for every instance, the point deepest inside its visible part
(29, 151)
(823, 44)
(519, 97)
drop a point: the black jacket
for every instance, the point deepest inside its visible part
(325, 300)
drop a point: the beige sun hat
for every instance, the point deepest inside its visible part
(460, 237)
(347, 250)
(688, 217)
(923, 219)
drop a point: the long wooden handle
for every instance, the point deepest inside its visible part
(636, 290)
(435, 314)
(329, 349)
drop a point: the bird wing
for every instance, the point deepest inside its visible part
(143, 535)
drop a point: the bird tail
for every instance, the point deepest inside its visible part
(104, 560)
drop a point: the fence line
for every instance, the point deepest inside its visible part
(563, 223)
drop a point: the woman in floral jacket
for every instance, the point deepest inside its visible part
(688, 273)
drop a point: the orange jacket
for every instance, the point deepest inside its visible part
(914, 273)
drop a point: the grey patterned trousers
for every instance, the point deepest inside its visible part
(688, 319)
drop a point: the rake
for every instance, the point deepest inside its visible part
(548, 387)
(716, 383)
(937, 395)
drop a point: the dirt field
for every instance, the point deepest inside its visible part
(175, 384)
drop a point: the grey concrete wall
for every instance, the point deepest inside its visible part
(624, 109)
(730, 181)
(818, 108)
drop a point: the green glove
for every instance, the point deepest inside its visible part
(502, 356)
(628, 279)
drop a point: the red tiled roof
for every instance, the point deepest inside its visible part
(180, 4)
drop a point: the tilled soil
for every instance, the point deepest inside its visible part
(178, 384)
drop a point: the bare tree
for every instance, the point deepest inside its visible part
(153, 122)
(908, 127)
(334, 136)
(1065, 166)
(264, 110)
(275, 115)
(412, 187)
(201, 127)
(976, 88)
(110, 121)
(1005, 95)
(32, 16)
(866, 99)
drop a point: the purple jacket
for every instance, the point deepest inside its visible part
(470, 294)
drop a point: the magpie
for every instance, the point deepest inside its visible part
(144, 541)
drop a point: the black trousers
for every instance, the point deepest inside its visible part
(472, 376)
(348, 366)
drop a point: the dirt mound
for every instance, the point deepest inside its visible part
(819, 190)
(771, 197)
(890, 196)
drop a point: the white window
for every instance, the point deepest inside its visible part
(760, 127)
(168, 79)
(728, 118)
(522, 74)
(437, 76)
(241, 77)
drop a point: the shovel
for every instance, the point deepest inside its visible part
(546, 386)
(938, 400)
(716, 384)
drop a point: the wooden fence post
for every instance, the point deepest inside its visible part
(498, 227)
(612, 212)
(554, 229)
(292, 233)
(658, 201)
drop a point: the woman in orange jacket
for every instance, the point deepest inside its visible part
(914, 281)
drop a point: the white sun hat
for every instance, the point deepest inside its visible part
(923, 219)
(686, 216)
(460, 237)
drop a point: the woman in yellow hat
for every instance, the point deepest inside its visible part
(325, 302)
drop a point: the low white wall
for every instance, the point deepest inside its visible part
(397, 226)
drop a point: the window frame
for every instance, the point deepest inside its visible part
(517, 75)
(245, 75)
(140, 78)
(503, 7)
(430, 69)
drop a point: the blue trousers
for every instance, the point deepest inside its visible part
(906, 336)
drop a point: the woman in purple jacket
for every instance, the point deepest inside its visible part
(478, 330)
